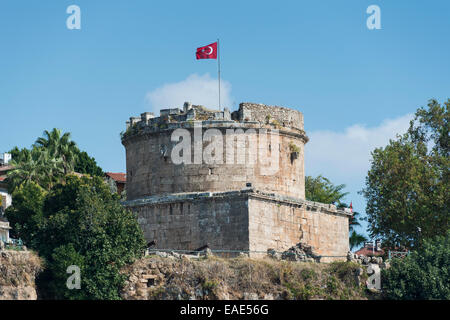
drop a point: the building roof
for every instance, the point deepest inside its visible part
(370, 251)
(117, 176)
(4, 169)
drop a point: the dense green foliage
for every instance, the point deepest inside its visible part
(49, 160)
(77, 223)
(356, 239)
(26, 213)
(424, 274)
(70, 221)
(408, 183)
(35, 165)
(87, 165)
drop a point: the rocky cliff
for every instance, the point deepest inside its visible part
(173, 276)
(18, 270)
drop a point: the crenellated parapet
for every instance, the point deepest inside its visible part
(274, 115)
(249, 115)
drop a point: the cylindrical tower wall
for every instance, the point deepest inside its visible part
(274, 157)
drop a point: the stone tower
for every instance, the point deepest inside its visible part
(232, 181)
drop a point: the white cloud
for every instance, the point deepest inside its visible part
(345, 156)
(197, 89)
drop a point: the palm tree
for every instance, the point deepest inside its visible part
(35, 165)
(321, 189)
(24, 171)
(354, 221)
(356, 239)
(59, 146)
(51, 169)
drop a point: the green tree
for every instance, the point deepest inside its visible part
(79, 223)
(49, 160)
(59, 146)
(83, 212)
(63, 257)
(34, 165)
(19, 155)
(320, 189)
(422, 275)
(26, 213)
(356, 239)
(87, 165)
(408, 182)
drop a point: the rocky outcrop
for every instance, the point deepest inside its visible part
(366, 260)
(172, 276)
(299, 252)
(18, 270)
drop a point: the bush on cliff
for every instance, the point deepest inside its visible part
(423, 275)
(26, 212)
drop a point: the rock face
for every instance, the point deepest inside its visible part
(172, 276)
(299, 252)
(373, 265)
(18, 270)
(366, 260)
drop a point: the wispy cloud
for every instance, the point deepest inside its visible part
(197, 89)
(345, 156)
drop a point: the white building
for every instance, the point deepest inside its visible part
(5, 197)
(4, 230)
(5, 158)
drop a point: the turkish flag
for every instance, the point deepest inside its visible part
(207, 52)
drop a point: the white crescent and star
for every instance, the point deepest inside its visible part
(210, 52)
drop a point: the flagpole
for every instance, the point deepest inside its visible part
(218, 68)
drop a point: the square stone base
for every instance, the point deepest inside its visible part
(245, 220)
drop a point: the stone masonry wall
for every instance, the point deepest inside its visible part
(194, 220)
(267, 114)
(150, 172)
(18, 271)
(247, 220)
(228, 205)
(281, 224)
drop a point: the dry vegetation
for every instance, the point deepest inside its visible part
(241, 278)
(18, 270)
(18, 267)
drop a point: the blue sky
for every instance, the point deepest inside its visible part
(355, 86)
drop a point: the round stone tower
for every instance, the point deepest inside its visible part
(201, 150)
(200, 178)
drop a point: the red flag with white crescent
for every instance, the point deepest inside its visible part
(207, 52)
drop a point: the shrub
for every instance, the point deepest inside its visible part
(424, 274)
(293, 147)
(78, 223)
(276, 123)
